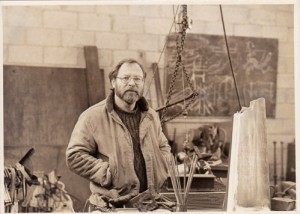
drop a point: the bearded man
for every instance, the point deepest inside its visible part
(118, 144)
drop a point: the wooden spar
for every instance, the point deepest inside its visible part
(248, 187)
(174, 103)
(94, 76)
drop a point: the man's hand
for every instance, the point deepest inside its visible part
(116, 199)
(106, 178)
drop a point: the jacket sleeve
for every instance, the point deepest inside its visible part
(80, 154)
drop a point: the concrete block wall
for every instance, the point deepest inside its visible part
(54, 36)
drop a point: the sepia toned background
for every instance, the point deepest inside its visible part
(40, 111)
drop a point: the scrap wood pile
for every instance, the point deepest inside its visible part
(283, 196)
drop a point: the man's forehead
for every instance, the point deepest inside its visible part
(130, 67)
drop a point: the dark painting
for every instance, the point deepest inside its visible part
(205, 57)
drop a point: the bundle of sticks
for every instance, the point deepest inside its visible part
(181, 194)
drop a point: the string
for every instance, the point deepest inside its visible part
(229, 58)
(164, 47)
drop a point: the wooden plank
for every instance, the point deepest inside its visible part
(248, 187)
(41, 107)
(94, 76)
(159, 95)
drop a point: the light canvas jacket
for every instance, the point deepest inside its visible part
(100, 137)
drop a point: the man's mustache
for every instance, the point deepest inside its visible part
(131, 90)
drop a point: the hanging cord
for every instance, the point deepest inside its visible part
(180, 40)
(229, 58)
(161, 53)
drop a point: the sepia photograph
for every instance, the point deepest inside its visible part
(160, 106)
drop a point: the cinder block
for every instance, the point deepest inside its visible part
(120, 55)
(60, 19)
(80, 58)
(25, 54)
(157, 25)
(285, 110)
(167, 11)
(250, 30)
(285, 95)
(105, 58)
(284, 18)
(162, 42)
(112, 9)
(144, 10)
(262, 16)
(291, 35)
(198, 26)
(14, 35)
(286, 49)
(22, 16)
(79, 8)
(234, 14)
(143, 42)
(204, 12)
(286, 7)
(153, 57)
(274, 126)
(111, 41)
(94, 22)
(5, 53)
(285, 65)
(42, 36)
(281, 33)
(285, 80)
(77, 38)
(289, 126)
(60, 55)
(216, 28)
(128, 24)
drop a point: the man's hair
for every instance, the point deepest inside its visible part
(114, 73)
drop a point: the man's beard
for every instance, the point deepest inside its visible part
(130, 96)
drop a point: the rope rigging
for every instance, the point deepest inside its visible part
(183, 24)
(180, 40)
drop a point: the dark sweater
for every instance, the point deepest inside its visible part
(132, 122)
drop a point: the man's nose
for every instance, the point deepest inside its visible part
(131, 82)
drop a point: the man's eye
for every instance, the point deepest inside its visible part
(126, 78)
(137, 79)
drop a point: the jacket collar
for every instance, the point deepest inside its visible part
(142, 103)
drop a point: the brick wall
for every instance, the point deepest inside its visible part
(54, 36)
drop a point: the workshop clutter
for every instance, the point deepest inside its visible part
(283, 196)
(25, 192)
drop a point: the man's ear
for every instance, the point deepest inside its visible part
(113, 83)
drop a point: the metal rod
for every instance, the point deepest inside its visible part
(281, 151)
(229, 58)
(275, 171)
(176, 102)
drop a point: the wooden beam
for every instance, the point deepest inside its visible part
(94, 76)
(159, 95)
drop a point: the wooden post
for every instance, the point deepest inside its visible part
(94, 76)
(159, 95)
(248, 187)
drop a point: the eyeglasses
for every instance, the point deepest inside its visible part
(126, 79)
